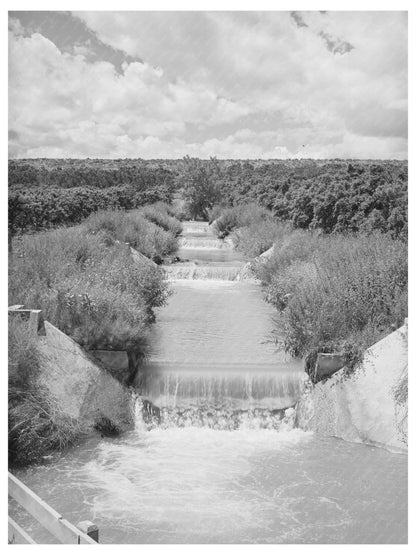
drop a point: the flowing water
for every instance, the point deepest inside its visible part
(214, 456)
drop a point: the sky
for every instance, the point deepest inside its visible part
(226, 84)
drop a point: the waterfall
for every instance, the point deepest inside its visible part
(211, 365)
(205, 257)
(225, 398)
(195, 271)
(209, 243)
(149, 417)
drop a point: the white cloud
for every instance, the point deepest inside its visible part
(241, 84)
(84, 108)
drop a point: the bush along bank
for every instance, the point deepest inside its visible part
(87, 284)
(151, 231)
(333, 292)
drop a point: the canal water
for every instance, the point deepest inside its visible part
(214, 456)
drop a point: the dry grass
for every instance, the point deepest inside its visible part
(36, 424)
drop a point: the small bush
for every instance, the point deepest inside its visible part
(238, 216)
(257, 238)
(37, 426)
(282, 285)
(132, 228)
(215, 212)
(225, 224)
(291, 247)
(178, 209)
(158, 214)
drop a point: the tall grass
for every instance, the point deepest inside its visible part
(133, 228)
(161, 214)
(36, 424)
(258, 237)
(335, 292)
(93, 291)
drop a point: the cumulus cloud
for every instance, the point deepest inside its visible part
(234, 85)
(88, 109)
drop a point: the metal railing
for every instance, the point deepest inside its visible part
(51, 520)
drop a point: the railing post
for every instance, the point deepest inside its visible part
(89, 528)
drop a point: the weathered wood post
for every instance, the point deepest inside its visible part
(89, 528)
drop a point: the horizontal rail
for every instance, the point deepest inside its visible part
(59, 527)
(17, 534)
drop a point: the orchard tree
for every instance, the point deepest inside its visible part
(200, 181)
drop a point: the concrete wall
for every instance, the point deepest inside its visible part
(362, 407)
(116, 362)
(82, 388)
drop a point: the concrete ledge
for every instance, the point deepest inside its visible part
(363, 407)
(34, 317)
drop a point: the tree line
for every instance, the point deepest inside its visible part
(331, 195)
(50, 193)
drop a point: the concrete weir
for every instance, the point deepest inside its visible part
(365, 407)
(81, 386)
(83, 389)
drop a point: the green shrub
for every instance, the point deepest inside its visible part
(179, 210)
(257, 237)
(356, 294)
(287, 281)
(159, 215)
(290, 246)
(239, 216)
(215, 212)
(132, 228)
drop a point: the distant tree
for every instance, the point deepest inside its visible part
(201, 185)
